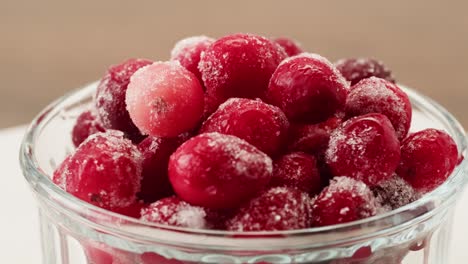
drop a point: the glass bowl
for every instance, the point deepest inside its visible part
(75, 232)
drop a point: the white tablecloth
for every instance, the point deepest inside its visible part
(19, 228)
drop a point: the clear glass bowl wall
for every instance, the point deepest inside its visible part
(76, 232)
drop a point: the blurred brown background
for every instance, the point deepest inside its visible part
(50, 47)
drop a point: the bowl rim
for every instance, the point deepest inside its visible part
(41, 183)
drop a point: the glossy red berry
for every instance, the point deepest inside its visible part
(291, 46)
(298, 170)
(344, 200)
(262, 125)
(187, 51)
(375, 95)
(279, 208)
(356, 69)
(165, 99)
(105, 171)
(364, 148)
(86, 125)
(308, 88)
(110, 97)
(239, 65)
(218, 171)
(427, 159)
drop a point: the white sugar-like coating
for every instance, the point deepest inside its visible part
(244, 159)
(179, 214)
(150, 91)
(384, 100)
(278, 207)
(344, 184)
(184, 46)
(395, 192)
(337, 76)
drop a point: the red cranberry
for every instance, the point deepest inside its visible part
(298, 170)
(175, 212)
(105, 171)
(218, 171)
(239, 65)
(365, 148)
(156, 152)
(165, 99)
(375, 95)
(291, 46)
(279, 208)
(308, 88)
(262, 125)
(427, 159)
(344, 200)
(312, 138)
(86, 125)
(110, 98)
(187, 51)
(356, 69)
(394, 193)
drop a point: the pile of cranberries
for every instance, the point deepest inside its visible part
(247, 133)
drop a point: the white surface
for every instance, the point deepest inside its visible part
(19, 228)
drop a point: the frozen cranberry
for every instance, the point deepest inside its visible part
(262, 125)
(344, 200)
(211, 104)
(240, 65)
(427, 159)
(289, 45)
(105, 171)
(188, 50)
(279, 208)
(175, 212)
(156, 152)
(110, 97)
(375, 95)
(365, 148)
(164, 99)
(308, 88)
(356, 69)
(298, 170)
(394, 193)
(312, 138)
(218, 171)
(86, 125)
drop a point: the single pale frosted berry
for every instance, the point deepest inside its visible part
(218, 171)
(165, 99)
(394, 193)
